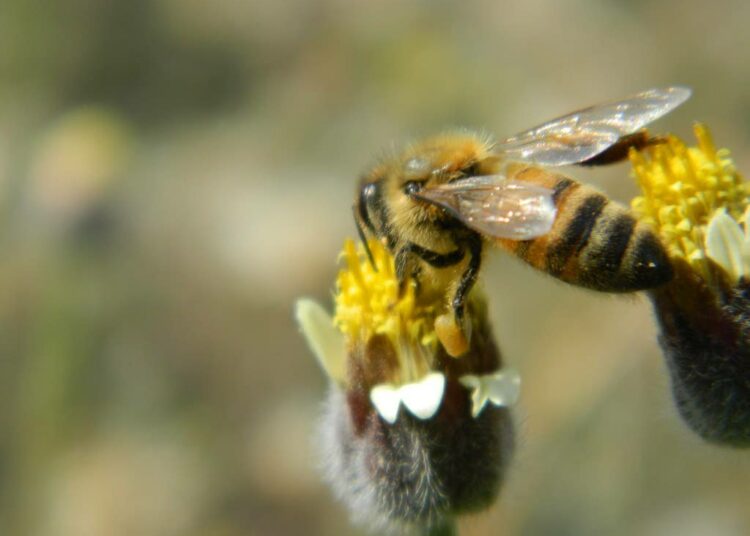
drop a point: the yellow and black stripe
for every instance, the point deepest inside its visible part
(594, 242)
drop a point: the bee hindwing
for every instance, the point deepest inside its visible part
(581, 135)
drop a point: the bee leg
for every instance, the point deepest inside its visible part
(619, 151)
(434, 259)
(437, 260)
(415, 275)
(469, 277)
(452, 329)
(402, 264)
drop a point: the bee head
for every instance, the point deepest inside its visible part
(388, 201)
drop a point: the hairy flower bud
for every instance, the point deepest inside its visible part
(698, 203)
(411, 436)
(706, 342)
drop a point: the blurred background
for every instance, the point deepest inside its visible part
(174, 174)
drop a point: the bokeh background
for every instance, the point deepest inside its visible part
(174, 174)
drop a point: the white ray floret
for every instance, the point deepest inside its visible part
(325, 341)
(387, 399)
(501, 388)
(421, 398)
(728, 244)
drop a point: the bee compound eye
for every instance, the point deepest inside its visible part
(369, 190)
(412, 187)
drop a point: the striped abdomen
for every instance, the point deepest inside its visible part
(594, 242)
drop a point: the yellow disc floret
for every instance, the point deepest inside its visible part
(368, 301)
(683, 188)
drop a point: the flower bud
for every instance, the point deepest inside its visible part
(706, 342)
(698, 203)
(411, 437)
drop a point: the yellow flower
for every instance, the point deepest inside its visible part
(698, 202)
(691, 195)
(368, 303)
(383, 339)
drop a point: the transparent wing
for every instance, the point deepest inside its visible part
(495, 206)
(581, 135)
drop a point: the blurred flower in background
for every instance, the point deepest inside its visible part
(75, 164)
(150, 364)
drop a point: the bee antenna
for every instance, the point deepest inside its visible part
(363, 238)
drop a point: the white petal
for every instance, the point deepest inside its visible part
(746, 257)
(745, 217)
(478, 393)
(386, 398)
(724, 243)
(503, 387)
(423, 398)
(746, 243)
(469, 381)
(325, 341)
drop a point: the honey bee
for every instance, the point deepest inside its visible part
(437, 204)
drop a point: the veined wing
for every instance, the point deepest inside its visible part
(496, 206)
(581, 135)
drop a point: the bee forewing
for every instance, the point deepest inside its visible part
(581, 135)
(497, 207)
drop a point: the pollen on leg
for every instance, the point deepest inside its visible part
(454, 338)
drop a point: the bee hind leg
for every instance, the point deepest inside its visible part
(468, 278)
(452, 329)
(619, 151)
